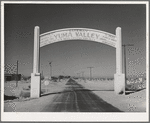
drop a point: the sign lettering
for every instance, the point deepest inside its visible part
(77, 34)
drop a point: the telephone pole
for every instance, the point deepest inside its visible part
(90, 72)
(124, 47)
(82, 75)
(50, 64)
(17, 75)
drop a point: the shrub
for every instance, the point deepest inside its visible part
(24, 94)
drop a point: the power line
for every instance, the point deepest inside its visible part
(90, 72)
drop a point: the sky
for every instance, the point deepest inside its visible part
(74, 56)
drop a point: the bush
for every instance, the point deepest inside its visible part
(24, 94)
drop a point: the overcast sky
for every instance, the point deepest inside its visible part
(71, 57)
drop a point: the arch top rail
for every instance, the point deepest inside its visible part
(77, 34)
(87, 29)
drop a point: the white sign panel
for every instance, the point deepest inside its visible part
(77, 34)
(46, 82)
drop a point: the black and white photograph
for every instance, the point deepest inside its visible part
(74, 61)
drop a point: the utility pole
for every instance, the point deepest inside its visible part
(124, 46)
(50, 64)
(82, 75)
(78, 74)
(17, 75)
(90, 72)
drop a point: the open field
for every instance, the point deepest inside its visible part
(133, 102)
(12, 92)
(23, 88)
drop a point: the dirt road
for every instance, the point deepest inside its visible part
(75, 98)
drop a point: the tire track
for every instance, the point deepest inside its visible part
(76, 102)
(75, 98)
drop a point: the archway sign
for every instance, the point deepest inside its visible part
(41, 40)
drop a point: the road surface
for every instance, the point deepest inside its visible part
(75, 98)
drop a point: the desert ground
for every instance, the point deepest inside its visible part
(17, 99)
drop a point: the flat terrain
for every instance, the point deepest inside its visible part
(78, 96)
(75, 98)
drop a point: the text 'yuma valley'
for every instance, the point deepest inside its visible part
(80, 34)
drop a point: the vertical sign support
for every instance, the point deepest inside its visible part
(119, 77)
(36, 76)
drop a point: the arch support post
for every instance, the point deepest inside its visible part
(36, 76)
(119, 77)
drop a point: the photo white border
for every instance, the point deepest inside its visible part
(26, 116)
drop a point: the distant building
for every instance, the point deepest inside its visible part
(8, 77)
(11, 77)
